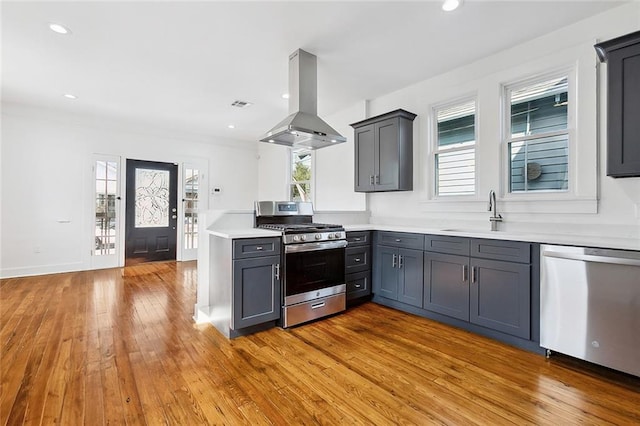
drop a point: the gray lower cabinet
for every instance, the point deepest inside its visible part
(399, 273)
(490, 288)
(256, 283)
(358, 266)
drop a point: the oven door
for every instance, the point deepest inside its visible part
(313, 270)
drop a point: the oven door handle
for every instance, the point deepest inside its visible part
(323, 245)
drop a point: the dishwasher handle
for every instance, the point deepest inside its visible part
(592, 258)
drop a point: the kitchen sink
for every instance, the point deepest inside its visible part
(470, 230)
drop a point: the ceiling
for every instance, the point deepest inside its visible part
(180, 65)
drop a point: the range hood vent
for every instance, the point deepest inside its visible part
(303, 128)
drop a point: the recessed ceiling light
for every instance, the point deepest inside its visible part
(285, 96)
(450, 5)
(231, 126)
(70, 96)
(58, 28)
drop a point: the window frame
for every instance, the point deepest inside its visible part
(311, 180)
(505, 139)
(435, 149)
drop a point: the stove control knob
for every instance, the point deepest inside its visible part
(330, 236)
(318, 236)
(296, 238)
(303, 237)
(338, 235)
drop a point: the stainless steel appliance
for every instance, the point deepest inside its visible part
(303, 127)
(590, 305)
(313, 260)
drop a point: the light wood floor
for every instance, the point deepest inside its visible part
(119, 346)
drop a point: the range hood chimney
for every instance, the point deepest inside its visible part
(303, 128)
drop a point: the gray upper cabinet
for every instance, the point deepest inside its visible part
(384, 152)
(622, 56)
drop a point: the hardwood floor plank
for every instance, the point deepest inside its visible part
(119, 346)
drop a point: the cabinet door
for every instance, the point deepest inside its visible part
(256, 291)
(358, 285)
(446, 284)
(365, 158)
(387, 161)
(410, 277)
(623, 127)
(356, 259)
(501, 296)
(387, 272)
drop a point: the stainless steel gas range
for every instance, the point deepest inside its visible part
(313, 260)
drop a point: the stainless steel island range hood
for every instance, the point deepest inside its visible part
(303, 127)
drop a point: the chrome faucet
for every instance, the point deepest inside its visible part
(493, 205)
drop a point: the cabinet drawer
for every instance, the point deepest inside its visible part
(401, 239)
(255, 247)
(357, 259)
(359, 238)
(358, 285)
(446, 244)
(510, 251)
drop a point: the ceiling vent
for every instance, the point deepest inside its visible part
(241, 104)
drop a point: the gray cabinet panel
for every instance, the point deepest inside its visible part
(410, 276)
(387, 163)
(510, 251)
(358, 285)
(501, 296)
(256, 291)
(365, 159)
(400, 239)
(384, 152)
(622, 55)
(358, 238)
(255, 247)
(447, 244)
(357, 259)
(446, 284)
(386, 272)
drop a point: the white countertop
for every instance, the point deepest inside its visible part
(574, 240)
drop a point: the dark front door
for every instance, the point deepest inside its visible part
(151, 217)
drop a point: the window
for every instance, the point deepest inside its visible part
(106, 181)
(301, 163)
(455, 151)
(537, 135)
(191, 179)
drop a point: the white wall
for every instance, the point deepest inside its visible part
(597, 205)
(47, 182)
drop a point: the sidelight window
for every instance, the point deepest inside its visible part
(301, 175)
(190, 200)
(537, 135)
(106, 184)
(455, 148)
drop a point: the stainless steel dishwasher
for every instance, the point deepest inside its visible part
(590, 305)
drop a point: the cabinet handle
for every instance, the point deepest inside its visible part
(358, 285)
(394, 261)
(259, 248)
(474, 278)
(357, 259)
(277, 271)
(357, 239)
(398, 240)
(465, 272)
(371, 180)
(400, 261)
(318, 305)
(377, 179)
